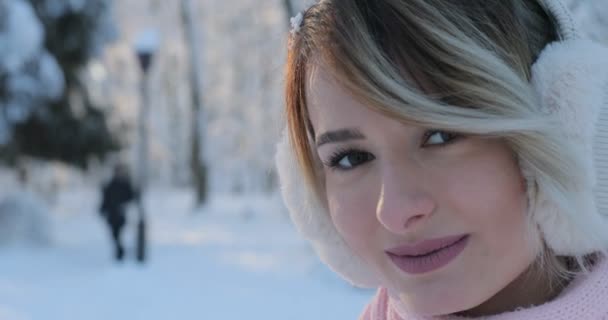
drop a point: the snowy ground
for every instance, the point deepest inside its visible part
(235, 259)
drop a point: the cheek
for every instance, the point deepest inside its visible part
(490, 195)
(353, 213)
(489, 192)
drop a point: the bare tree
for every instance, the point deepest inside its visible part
(197, 162)
(289, 9)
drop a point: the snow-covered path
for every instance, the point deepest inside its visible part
(238, 258)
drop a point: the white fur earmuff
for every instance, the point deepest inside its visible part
(312, 220)
(571, 79)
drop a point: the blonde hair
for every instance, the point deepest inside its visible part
(461, 66)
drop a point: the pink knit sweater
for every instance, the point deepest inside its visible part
(585, 298)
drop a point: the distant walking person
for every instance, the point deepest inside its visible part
(117, 193)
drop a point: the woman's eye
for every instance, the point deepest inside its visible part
(439, 138)
(349, 159)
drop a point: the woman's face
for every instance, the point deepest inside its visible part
(440, 218)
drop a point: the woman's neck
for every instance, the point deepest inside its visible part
(531, 288)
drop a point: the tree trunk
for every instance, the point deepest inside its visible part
(289, 8)
(197, 163)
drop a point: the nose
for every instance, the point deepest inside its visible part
(403, 202)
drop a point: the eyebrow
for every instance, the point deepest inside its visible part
(339, 136)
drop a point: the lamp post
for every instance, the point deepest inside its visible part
(146, 46)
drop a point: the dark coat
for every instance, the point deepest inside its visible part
(116, 195)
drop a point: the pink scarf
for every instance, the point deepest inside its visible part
(585, 298)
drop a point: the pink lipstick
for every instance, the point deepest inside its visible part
(428, 255)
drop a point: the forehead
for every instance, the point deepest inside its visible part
(329, 104)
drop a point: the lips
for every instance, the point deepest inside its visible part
(428, 255)
(424, 247)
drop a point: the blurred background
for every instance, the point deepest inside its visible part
(137, 174)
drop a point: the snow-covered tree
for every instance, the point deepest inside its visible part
(46, 110)
(29, 74)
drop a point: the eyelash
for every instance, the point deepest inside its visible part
(337, 156)
(430, 133)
